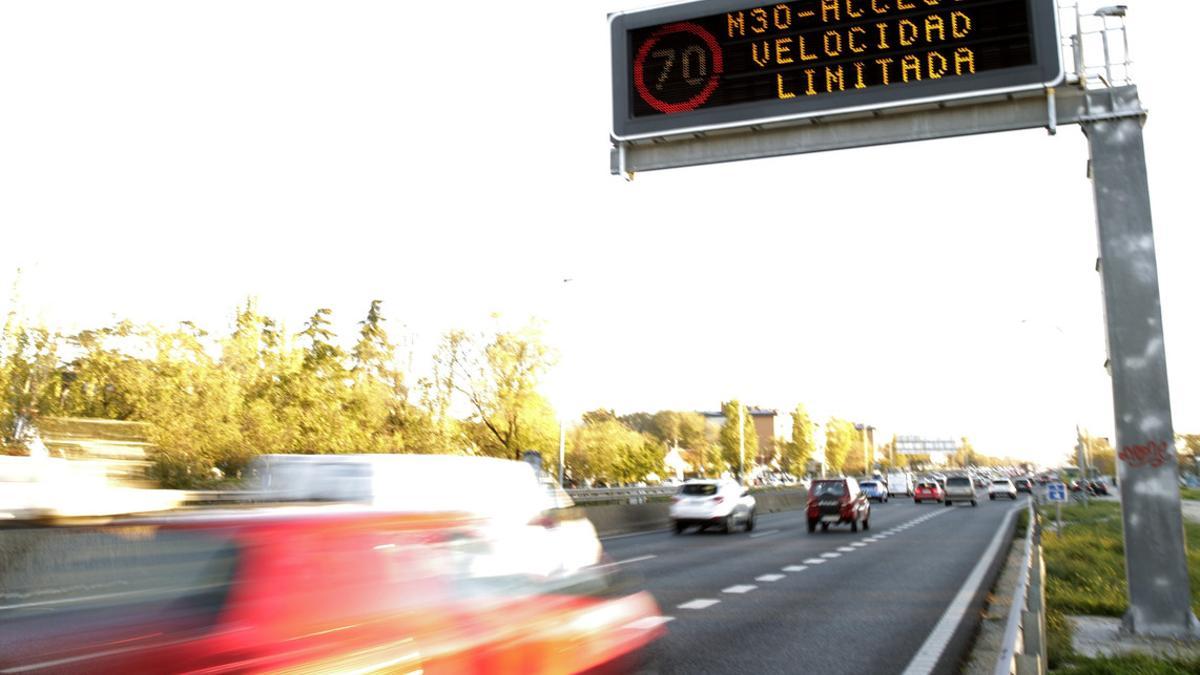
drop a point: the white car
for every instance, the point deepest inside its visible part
(723, 503)
(1002, 487)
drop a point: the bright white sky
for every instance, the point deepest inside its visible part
(162, 161)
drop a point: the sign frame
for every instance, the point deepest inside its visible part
(1046, 71)
(1056, 488)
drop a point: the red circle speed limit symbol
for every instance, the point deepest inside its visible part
(696, 63)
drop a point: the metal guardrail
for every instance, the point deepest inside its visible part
(220, 496)
(1023, 651)
(627, 495)
(631, 495)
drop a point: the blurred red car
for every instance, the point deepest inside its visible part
(928, 490)
(323, 589)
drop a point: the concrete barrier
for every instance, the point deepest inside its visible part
(610, 519)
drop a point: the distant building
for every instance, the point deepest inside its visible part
(764, 428)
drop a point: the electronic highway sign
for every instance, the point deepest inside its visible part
(921, 445)
(715, 64)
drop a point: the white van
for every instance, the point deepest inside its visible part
(900, 483)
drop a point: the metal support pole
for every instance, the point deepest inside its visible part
(1155, 555)
(1081, 462)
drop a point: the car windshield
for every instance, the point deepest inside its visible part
(868, 484)
(1000, 481)
(828, 489)
(699, 490)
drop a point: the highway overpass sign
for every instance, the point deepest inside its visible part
(717, 64)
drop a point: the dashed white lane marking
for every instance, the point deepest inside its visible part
(875, 538)
(814, 561)
(648, 622)
(831, 554)
(631, 560)
(859, 544)
(768, 533)
(699, 603)
(795, 568)
(770, 577)
(740, 588)
(846, 549)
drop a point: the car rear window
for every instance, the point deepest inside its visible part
(959, 481)
(1000, 481)
(700, 490)
(833, 488)
(868, 484)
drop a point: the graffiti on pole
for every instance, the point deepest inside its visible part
(1153, 454)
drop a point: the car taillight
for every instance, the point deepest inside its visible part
(718, 500)
(676, 498)
(547, 520)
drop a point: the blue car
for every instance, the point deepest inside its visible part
(874, 490)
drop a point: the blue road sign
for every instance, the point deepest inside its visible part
(1056, 492)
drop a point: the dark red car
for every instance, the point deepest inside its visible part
(929, 490)
(312, 589)
(835, 501)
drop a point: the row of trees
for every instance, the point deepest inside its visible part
(216, 401)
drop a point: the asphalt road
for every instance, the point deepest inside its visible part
(781, 600)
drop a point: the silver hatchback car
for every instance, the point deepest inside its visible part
(960, 489)
(723, 503)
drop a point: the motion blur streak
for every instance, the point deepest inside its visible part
(322, 588)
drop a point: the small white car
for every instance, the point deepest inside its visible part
(1002, 487)
(723, 503)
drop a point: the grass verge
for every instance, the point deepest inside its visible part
(1085, 574)
(1190, 493)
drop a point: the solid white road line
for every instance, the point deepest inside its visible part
(740, 588)
(768, 533)
(929, 653)
(770, 577)
(795, 568)
(699, 603)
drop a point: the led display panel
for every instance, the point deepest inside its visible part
(714, 64)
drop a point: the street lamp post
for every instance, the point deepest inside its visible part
(741, 442)
(562, 420)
